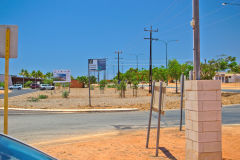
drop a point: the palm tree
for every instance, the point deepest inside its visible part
(22, 73)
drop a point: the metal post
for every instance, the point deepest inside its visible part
(6, 81)
(89, 86)
(159, 117)
(150, 116)
(182, 92)
(196, 39)
(167, 59)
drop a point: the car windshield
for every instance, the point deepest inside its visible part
(11, 149)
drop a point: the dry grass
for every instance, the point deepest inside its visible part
(78, 99)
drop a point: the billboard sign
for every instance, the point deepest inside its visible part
(61, 76)
(97, 64)
(13, 40)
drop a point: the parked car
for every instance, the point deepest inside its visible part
(16, 86)
(46, 87)
(35, 85)
(12, 149)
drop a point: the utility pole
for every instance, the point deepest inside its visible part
(118, 52)
(196, 40)
(150, 61)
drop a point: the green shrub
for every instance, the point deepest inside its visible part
(111, 86)
(102, 84)
(42, 96)
(28, 83)
(91, 87)
(2, 84)
(33, 99)
(65, 94)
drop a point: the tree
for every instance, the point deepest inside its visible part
(186, 68)
(102, 85)
(174, 70)
(22, 73)
(49, 75)
(39, 74)
(160, 74)
(144, 75)
(82, 79)
(131, 75)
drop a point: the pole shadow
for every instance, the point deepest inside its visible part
(167, 153)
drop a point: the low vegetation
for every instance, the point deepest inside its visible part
(65, 94)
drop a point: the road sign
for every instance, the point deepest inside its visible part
(13, 48)
(61, 76)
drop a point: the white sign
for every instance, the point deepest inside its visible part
(13, 40)
(61, 76)
(93, 64)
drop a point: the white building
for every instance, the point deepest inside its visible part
(227, 77)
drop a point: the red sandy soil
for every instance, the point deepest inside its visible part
(130, 145)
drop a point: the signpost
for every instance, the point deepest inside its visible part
(156, 105)
(95, 65)
(8, 49)
(62, 76)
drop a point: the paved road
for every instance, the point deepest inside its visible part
(16, 92)
(39, 126)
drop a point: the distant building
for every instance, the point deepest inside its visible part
(13, 79)
(227, 77)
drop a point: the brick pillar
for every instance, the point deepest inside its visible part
(203, 120)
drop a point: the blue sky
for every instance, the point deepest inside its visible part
(60, 34)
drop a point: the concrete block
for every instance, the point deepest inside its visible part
(208, 137)
(198, 85)
(210, 156)
(211, 105)
(209, 85)
(219, 95)
(206, 95)
(191, 95)
(193, 115)
(189, 144)
(188, 124)
(212, 126)
(197, 126)
(208, 116)
(211, 146)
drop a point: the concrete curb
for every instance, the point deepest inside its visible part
(231, 105)
(76, 110)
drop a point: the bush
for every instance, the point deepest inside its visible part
(102, 84)
(33, 99)
(42, 96)
(91, 87)
(65, 94)
(111, 86)
(2, 84)
(28, 83)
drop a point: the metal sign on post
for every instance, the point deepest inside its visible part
(95, 65)
(61, 76)
(8, 49)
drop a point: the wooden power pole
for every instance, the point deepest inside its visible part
(150, 61)
(196, 40)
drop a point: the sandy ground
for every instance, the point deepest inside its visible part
(130, 145)
(78, 98)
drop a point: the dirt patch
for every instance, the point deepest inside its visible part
(130, 145)
(78, 99)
